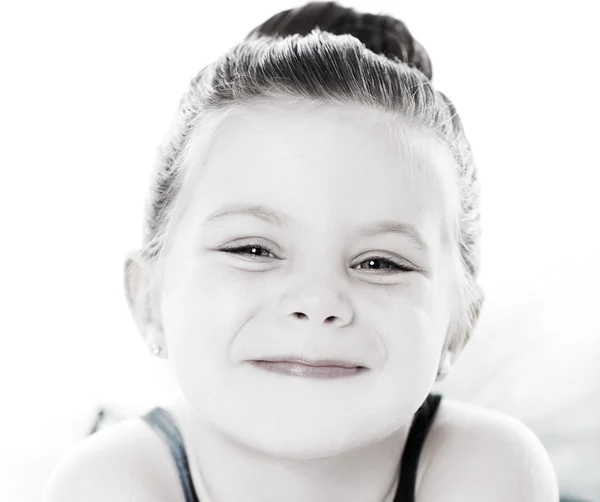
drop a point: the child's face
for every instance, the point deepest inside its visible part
(327, 176)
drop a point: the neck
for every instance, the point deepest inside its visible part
(224, 470)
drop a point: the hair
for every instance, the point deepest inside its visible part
(322, 54)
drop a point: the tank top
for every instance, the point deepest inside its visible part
(164, 425)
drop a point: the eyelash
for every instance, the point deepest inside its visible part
(238, 250)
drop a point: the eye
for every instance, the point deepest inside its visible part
(381, 263)
(376, 263)
(252, 250)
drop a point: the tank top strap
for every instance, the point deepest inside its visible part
(412, 450)
(164, 424)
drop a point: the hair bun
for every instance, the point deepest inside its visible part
(380, 33)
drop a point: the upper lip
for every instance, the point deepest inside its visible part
(312, 362)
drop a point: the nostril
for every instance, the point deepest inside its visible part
(300, 315)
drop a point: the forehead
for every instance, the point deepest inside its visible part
(334, 161)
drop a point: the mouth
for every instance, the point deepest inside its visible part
(302, 367)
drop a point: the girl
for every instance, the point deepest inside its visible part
(309, 270)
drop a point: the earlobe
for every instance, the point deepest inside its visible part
(444, 366)
(156, 343)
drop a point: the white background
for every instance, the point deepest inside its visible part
(87, 92)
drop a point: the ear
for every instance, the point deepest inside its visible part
(140, 299)
(450, 352)
(474, 311)
(447, 357)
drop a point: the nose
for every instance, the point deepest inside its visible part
(323, 306)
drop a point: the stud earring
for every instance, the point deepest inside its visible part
(156, 349)
(443, 373)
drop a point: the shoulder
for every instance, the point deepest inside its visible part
(118, 463)
(473, 454)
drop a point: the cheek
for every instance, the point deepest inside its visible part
(415, 339)
(412, 355)
(202, 313)
(199, 324)
(414, 329)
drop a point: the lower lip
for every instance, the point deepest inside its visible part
(307, 371)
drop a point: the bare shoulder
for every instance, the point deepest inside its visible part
(118, 463)
(474, 453)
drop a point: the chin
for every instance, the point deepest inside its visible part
(306, 432)
(300, 440)
(301, 418)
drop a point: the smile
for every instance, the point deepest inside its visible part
(306, 370)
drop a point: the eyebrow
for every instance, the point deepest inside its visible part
(395, 227)
(257, 211)
(273, 218)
